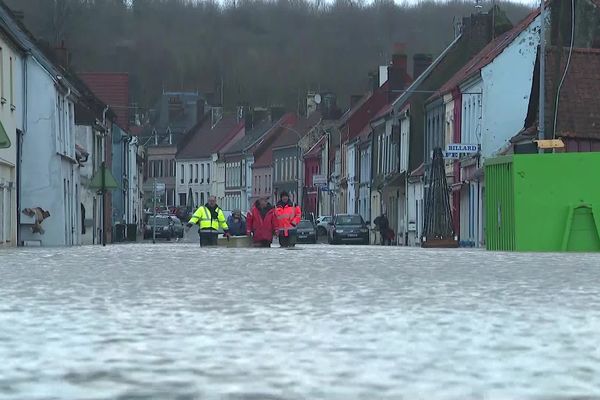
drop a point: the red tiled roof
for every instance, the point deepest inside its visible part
(579, 106)
(487, 55)
(205, 138)
(113, 89)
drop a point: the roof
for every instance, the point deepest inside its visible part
(487, 55)
(25, 40)
(254, 136)
(205, 138)
(579, 104)
(346, 116)
(113, 89)
(404, 97)
(265, 159)
(315, 151)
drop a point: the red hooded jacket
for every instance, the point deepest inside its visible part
(288, 216)
(261, 224)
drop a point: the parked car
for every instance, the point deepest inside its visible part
(323, 225)
(165, 227)
(178, 226)
(307, 232)
(348, 228)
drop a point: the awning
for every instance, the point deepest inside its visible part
(4, 140)
(109, 180)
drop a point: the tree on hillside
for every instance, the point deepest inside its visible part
(259, 51)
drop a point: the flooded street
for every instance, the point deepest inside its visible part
(173, 321)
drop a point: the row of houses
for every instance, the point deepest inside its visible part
(69, 169)
(481, 92)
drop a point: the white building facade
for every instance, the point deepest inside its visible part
(11, 120)
(494, 107)
(194, 182)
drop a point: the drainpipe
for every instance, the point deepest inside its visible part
(20, 137)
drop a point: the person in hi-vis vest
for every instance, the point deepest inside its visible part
(210, 218)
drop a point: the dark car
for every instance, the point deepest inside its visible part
(165, 227)
(348, 228)
(307, 232)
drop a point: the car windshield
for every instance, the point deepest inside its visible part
(349, 220)
(305, 225)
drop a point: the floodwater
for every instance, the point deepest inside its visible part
(173, 321)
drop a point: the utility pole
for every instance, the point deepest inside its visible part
(542, 94)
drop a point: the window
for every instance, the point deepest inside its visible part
(258, 184)
(207, 173)
(196, 198)
(191, 173)
(182, 172)
(201, 198)
(196, 175)
(182, 199)
(202, 176)
(172, 168)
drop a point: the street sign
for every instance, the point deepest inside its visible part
(550, 144)
(160, 187)
(451, 155)
(462, 148)
(319, 180)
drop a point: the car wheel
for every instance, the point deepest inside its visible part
(321, 231)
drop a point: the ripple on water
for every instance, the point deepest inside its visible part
(177, 322)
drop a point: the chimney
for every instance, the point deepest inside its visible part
(62, 55)
(477, 30)
(311, 103)
(328, 106)
(200, 109)
(216, 115)
(373, 80)
(248, 121)
(420, 63)
(383, 75)
(397, 72)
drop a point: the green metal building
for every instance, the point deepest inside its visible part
(543, 202)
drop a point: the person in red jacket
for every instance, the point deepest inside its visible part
(288, 217)
(260, 223)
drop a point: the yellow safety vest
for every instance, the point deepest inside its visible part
(203, 217)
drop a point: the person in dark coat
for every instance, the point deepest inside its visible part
(236, 224)
(383, 225)
(260, 223)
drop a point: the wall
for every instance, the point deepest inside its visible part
(196, 175)
(285, 172)
(218, 179)
(49, 180)
(415, 212)
(507, 83)
(86, 138)
(11, 115)
(351, 177)
(166, 155)
(262, 184)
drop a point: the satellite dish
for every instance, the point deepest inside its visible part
(318, 98)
